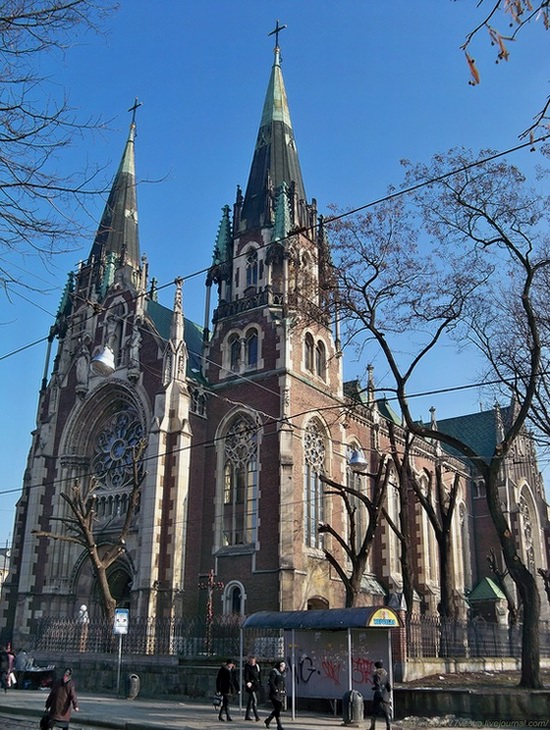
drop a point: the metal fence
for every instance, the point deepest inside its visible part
(427, 637)
(145, 636)
(433, 636)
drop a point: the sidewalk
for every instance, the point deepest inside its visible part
(120, 714)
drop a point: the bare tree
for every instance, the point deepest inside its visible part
(439, 502)
(503, 22)
(438, 499)
(501, 575)
(35, 126)
(545, 575)
(402, 470)
(354, 546)
(79, 528)
(479, 229)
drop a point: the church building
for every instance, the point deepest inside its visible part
(241, 416)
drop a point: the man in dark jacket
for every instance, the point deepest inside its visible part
(381, 703)
(226, 685)
(252, 685)
(277, 692)
(61, 700)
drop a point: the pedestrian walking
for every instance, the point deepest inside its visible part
(20, 665)
(60, 702)
(381, 704)
(252, 684)
(277, 692)
(226, 685)
(7, 661)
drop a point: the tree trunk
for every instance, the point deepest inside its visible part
(525, 583)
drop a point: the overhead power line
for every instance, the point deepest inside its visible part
(390, 196)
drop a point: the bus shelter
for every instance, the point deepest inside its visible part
(331, 651)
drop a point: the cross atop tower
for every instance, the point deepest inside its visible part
(133, 109)
(278, 29)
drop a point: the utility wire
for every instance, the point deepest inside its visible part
(390, 196)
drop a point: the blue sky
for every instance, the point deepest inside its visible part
(369, 82)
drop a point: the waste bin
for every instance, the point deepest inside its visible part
(353, 707)
(133, 686)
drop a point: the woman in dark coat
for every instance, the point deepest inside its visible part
(61, 700)
(277, 691)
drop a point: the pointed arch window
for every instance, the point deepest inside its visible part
(309, 349)
(235, 352)
(252, 348)
(394, 546)
(314, 458)
(429, 546)
(527, 534)
(240, 489)
(252, 268)
(320, 360)
(234, 599)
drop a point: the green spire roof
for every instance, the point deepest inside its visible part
(275, 158)
(118, 230)
(222, 249)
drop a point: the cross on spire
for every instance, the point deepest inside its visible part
(133, 108)
(278, 29)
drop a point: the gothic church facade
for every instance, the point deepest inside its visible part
(240, 418)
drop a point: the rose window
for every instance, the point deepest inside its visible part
(112, 463)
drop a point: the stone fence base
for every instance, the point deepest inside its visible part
(510, 705)
(179, 678)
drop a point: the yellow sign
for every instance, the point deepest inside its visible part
(384, 618)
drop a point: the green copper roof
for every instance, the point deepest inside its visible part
(477, 430)
(224, 240)
(276, 104)
(387, 412)
(486, 590)
(161, 317)
(275, 158)
(118, 230)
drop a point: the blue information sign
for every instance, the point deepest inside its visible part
(121, 620)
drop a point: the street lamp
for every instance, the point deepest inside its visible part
(357, 461)
(104, 362)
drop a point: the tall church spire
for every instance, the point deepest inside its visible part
(118, 231)
(275, 158)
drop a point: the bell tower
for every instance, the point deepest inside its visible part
(271, 362)
(271, 262)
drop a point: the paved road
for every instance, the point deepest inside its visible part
(24, 708)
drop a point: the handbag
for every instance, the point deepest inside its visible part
(46, 721)
(216, 701)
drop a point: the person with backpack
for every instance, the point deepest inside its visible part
(381, 704)
(60, 702)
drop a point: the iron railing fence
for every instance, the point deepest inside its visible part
(427, 637)
(190, 637)
(432, 636)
